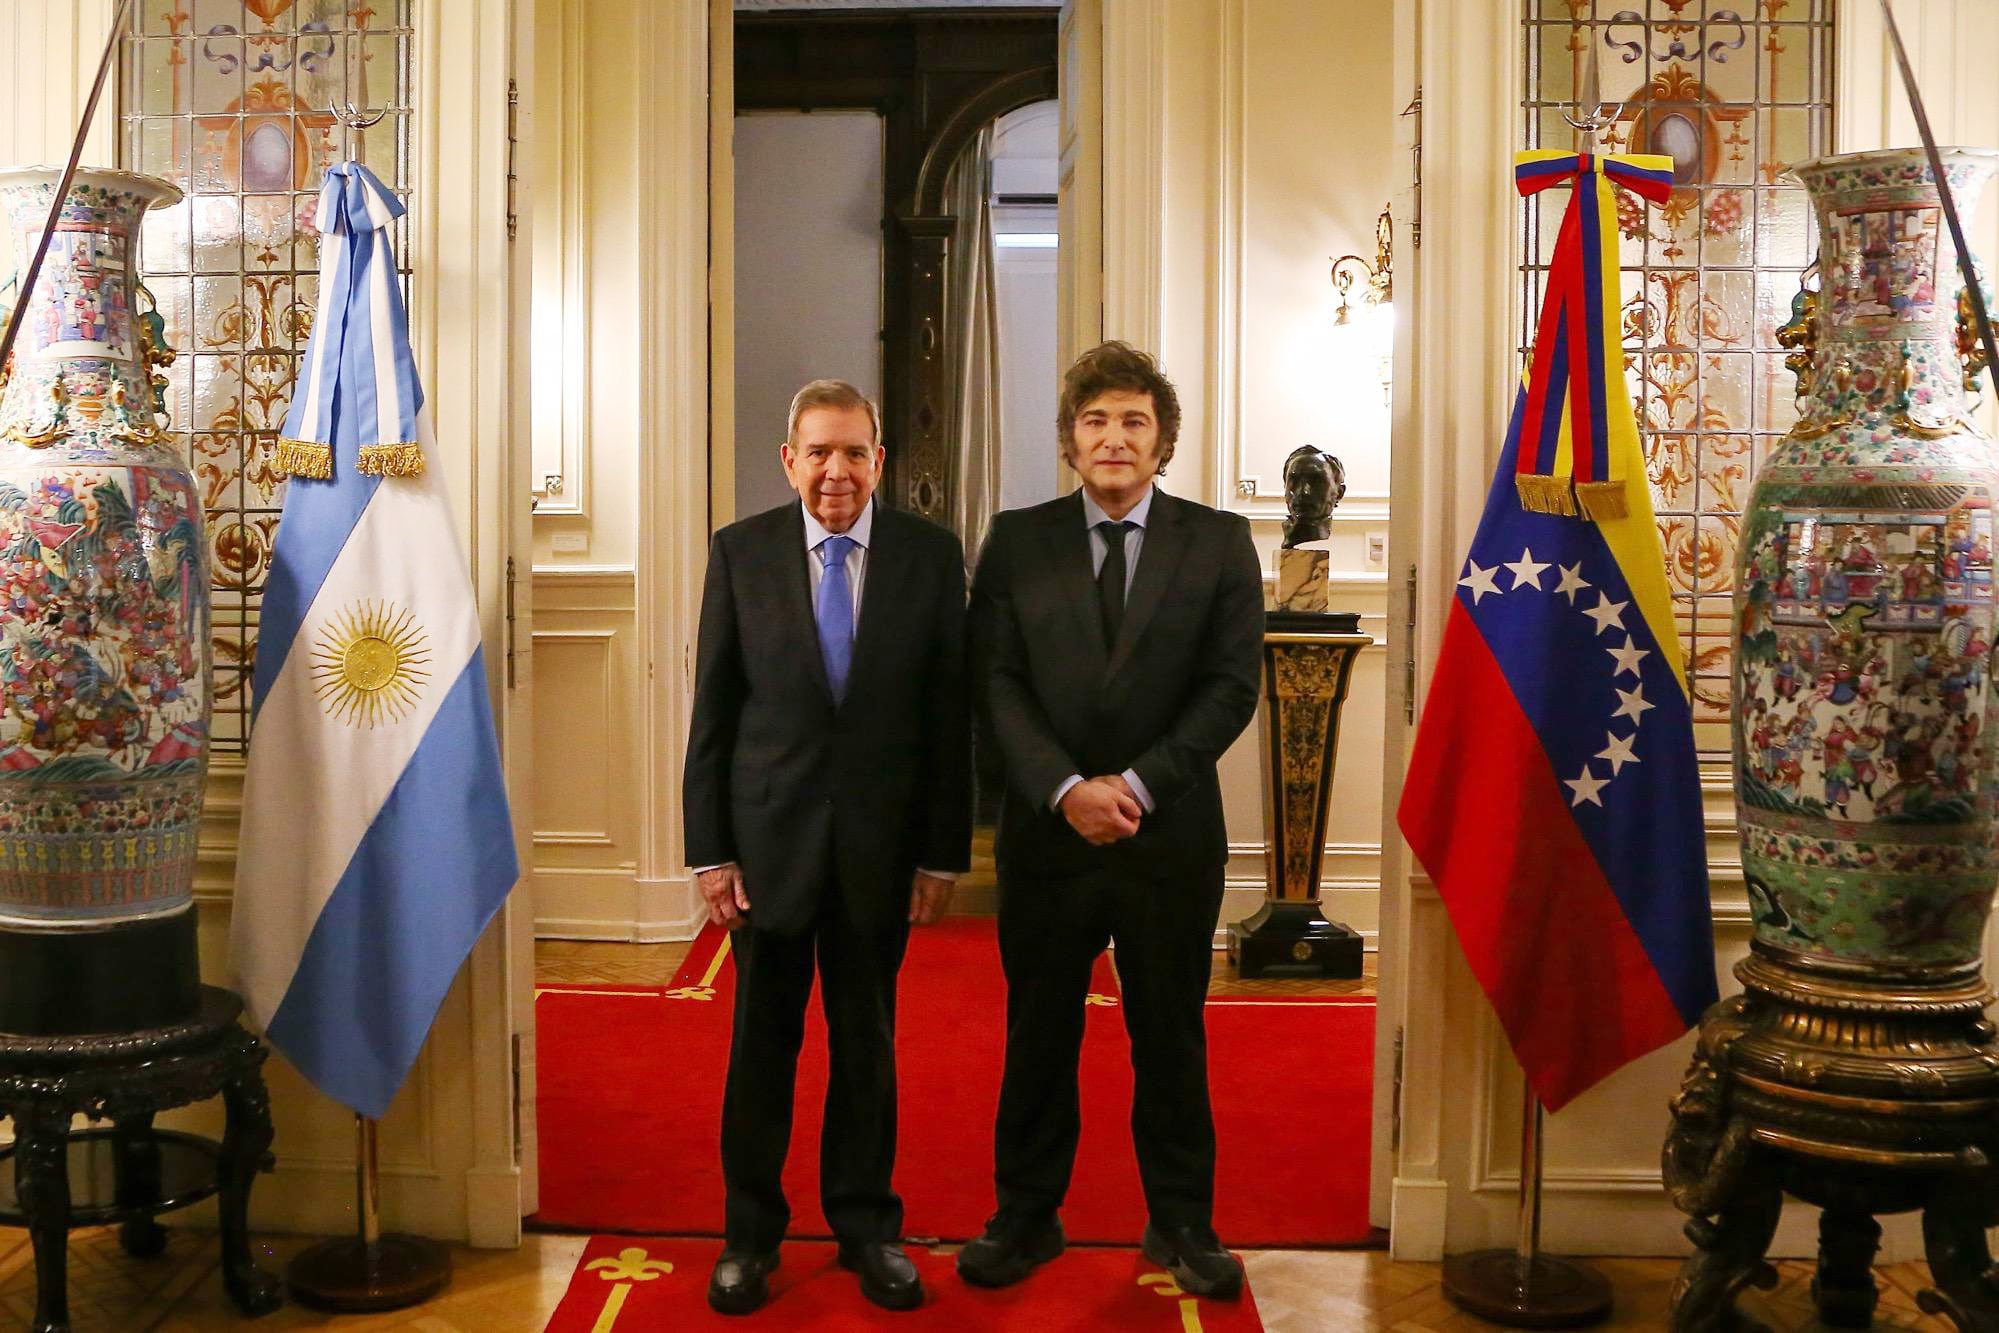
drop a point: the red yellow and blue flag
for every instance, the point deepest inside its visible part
(1553, 794)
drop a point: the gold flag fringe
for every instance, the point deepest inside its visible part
(1602, 499)
(1545, 495)
(391, 460)
(304, 458)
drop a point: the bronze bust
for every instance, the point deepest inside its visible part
(1314, 484)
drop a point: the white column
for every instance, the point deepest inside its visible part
(672, 276)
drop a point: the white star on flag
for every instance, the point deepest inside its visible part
(1634, 703)
(1572, 581)
(1607, 613)
(1527, 571)
(1618, 752)
(1627, 658)
(1481, 581)
(1586, 788)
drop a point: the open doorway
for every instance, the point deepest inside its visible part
(920, 165)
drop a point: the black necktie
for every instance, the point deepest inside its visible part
(1111, 578)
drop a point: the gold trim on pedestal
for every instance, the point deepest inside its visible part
(1303, 691)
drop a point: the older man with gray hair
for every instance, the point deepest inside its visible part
(827, 797)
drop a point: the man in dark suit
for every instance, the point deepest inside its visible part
(828, 805)
(1117, 636)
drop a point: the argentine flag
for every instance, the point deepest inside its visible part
(376, 840)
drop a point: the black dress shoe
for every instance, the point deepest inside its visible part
(740, 1283)
(1196, 1260)
(1008, 1251)
(887, 1277)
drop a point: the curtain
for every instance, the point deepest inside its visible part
(971, 319)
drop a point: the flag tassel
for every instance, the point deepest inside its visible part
(1601, 500)
(1541, 494)
(391, 460)
(304, 458)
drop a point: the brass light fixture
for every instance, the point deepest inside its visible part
(1379, 275)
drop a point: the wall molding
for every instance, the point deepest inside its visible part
(569, 415)
(1133, 146)
(1225, 407)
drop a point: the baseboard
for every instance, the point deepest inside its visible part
(614, 904)
(1417, 1212)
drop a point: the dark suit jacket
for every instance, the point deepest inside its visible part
(1166, 700)
(805, 794)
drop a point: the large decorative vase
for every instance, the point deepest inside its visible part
(1858, 1071)
(104, 633)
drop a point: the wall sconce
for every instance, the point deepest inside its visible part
(1379, 274)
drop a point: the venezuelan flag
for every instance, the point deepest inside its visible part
(1553, 794)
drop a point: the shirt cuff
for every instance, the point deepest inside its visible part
(702, 870)
(1073, 780)
(1131, 778)
(950, 876)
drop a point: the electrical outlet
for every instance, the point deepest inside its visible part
(1377, 548)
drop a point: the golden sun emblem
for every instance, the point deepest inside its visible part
(370, 664)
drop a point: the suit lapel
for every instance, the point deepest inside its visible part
(1069, 538)
(884, 588)
(1158, 559)
(795, 592)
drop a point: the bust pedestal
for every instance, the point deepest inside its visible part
(1308, 658)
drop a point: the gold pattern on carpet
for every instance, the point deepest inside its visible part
(1162, 1284)
(631, 1265)
(705, 988)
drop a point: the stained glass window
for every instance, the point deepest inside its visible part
(233, 100)
(1733, 93)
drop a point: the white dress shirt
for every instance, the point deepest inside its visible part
(1100, 549)
(857, 573)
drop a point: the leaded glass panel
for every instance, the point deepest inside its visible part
(1734, 93)
(233, 101)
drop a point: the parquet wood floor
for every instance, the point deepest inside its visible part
(515, 1291)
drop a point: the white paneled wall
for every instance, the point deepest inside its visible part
(622, 260)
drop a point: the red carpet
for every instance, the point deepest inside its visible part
(631, 1096)
(638, 1283)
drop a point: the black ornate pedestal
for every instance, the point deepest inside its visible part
(1308, 659)
(131, 1172)
(1863, 1093)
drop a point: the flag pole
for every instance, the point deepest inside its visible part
(367, 1183)
(1527, 1242)
(1521, 1287)
(369, 1271)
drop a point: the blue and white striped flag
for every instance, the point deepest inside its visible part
(376, 840)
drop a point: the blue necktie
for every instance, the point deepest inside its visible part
(836, 613)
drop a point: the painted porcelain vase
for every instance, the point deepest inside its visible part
(104, 616)
(1865, 733)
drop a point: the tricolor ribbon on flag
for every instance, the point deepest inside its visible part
(1579, 444)
(351, 381)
